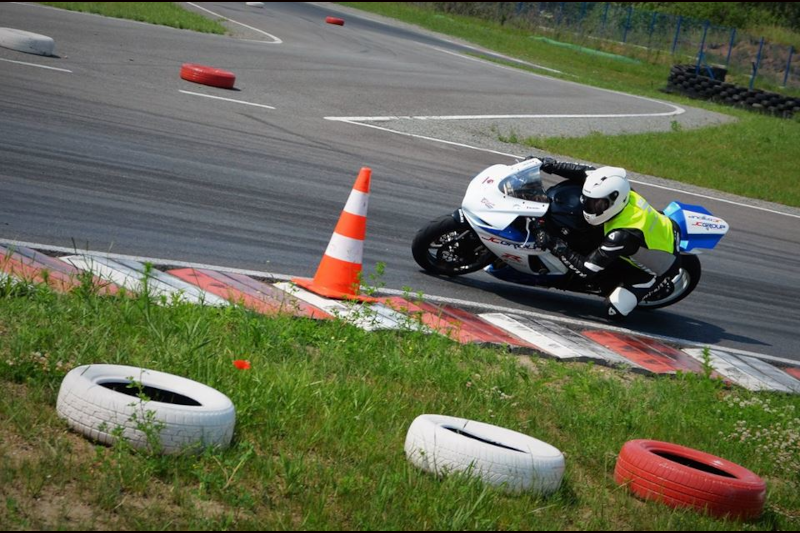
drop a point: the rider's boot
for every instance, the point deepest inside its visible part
(620, 303)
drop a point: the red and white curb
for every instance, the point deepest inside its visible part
(749, 372)
(557, 341)
(251, 293)
(134, 277)
(370, 318)
(651, 354)
(207, 285)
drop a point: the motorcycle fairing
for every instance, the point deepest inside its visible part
(699, 228)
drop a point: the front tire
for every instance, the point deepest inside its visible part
(685, 282)
(448, 247)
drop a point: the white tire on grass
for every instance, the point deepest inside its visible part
(96, 401)
(443, 444)
(25, 41)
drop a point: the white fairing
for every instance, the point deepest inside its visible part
(490, 211)
(485, 200)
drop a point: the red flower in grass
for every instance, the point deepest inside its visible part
(241, 364)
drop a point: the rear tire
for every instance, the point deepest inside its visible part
(685, 282)
(447, 247)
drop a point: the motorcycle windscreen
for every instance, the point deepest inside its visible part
(699, 228)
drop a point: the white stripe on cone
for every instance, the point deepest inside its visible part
(345, 249)
(357, 203)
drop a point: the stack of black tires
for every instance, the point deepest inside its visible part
(709, 84)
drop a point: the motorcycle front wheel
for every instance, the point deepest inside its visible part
(447, 247)
(685, 282)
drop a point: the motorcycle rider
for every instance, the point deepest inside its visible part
(646, 240)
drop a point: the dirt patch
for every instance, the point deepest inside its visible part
(531, 364)
(58, 507)
(50, 478)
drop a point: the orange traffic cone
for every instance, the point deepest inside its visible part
(340, 269)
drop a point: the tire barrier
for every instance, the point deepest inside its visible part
(102, 402)
(498, 456)
(334, 20)
(701, 85)
(203, 75)
(682, 477)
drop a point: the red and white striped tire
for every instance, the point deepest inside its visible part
(683, 477)
(204, 75)
(334, 20)
(498, 456)
(184, 415)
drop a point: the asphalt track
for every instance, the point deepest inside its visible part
(112, 156)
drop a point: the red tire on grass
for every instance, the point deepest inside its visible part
(683, 477)
(334, 20)
(204, 75)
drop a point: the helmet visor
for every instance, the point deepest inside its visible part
(595, 206)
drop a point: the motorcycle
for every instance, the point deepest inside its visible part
(504, 205)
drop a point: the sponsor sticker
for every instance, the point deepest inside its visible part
(514, 245)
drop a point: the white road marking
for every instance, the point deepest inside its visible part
(226, 99)
(434, 139)
(276, 40)
(499, 117)
(458, 54)
(35, 65)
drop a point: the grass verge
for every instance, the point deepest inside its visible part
(162, 13)
(322, 415)
(756, 156)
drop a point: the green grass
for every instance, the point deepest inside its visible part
(757, 156)
(322, 416)
(162, 13)
(777, 34)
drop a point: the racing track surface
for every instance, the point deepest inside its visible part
(113, 157)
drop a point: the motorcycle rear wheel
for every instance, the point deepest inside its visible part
(685, 282)
(448, 247)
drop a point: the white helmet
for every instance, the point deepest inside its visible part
(605, 193)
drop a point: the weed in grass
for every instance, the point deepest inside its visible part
(144, 420)
(708, 368)
(87, 287)
(773, 430)
(376, 280)
(511, 138)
